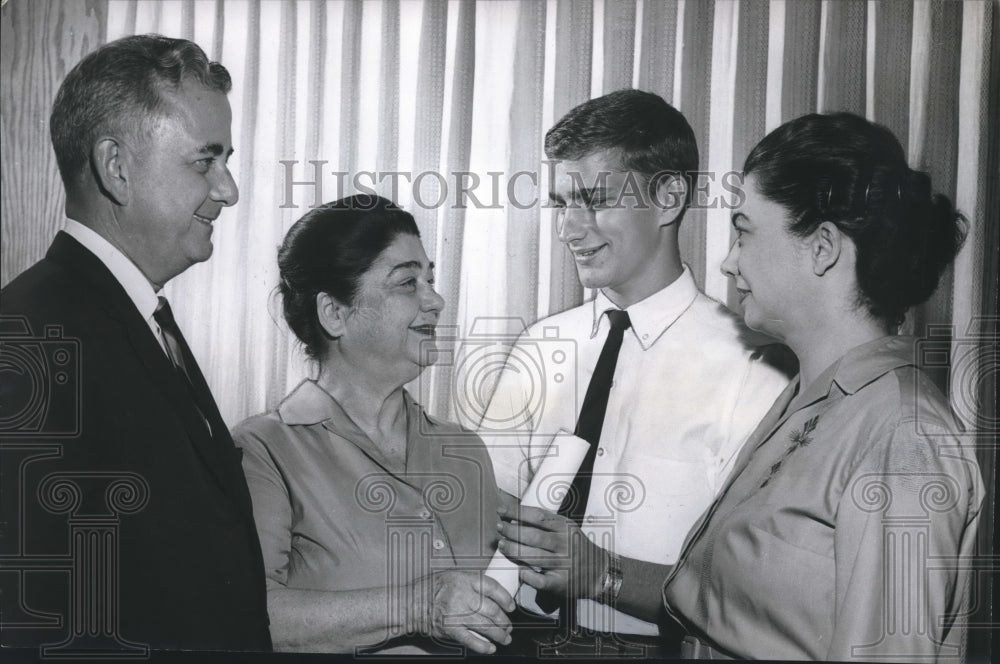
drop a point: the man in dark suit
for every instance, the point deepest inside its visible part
(123, 493)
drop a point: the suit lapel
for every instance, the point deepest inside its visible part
(209, 446)
(202, 394)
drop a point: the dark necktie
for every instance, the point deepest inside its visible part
(591, 420)
(178, 352)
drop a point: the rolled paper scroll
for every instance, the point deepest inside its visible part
(546, 490)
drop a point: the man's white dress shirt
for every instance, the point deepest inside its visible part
(690, 385)
(135, 283)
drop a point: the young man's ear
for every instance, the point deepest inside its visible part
(669, 197)
(109, 165)
(825, 246)
(332, 314)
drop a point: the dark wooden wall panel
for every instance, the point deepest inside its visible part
(40, 41)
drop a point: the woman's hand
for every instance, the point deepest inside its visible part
(464, 607)
(569, 562)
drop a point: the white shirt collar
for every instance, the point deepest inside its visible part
(652, 316)
(135, 283)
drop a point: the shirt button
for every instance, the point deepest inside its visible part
(438, 544)
(589, 519)
(600, 451)
(645, 336)
(425, 514)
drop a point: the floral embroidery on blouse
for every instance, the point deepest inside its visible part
(798, 439)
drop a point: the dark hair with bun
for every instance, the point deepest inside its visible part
(327, 251)
(841, 168)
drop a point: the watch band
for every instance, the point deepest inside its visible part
(612, 583)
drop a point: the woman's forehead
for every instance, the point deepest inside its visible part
(756, 208)
(404, 251)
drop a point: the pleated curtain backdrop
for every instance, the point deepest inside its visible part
(334, 97)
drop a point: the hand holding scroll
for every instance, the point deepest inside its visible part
(464, 607)
(568, 560)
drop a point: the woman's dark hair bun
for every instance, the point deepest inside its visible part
(841, 168)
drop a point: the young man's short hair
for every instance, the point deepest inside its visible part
(651, 136)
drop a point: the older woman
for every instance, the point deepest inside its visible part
(365, 505)
(841, 528)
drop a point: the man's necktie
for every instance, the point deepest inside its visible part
(178, 352)
(591, 419)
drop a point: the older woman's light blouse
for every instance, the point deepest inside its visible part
(334, 513)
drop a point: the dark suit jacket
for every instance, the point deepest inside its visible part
(189, 568)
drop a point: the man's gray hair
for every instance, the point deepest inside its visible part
(117, 89)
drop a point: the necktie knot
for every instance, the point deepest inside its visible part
(163, 315)
(619, 319)
(171, 334)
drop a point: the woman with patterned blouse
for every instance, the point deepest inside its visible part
(840, 532)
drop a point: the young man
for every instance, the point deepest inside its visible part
(163, 549)
(668, 383)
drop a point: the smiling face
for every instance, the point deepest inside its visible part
(769, 265)
(608, 221)
(390, 327)
(179, 182)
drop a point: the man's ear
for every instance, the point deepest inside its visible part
(110, 167)
(669, 197)
(332, 314)
(825, 246)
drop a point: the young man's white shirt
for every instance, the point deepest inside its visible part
(690, 385)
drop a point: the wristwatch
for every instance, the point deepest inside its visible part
(612, 583)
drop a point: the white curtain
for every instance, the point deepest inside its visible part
(446, 87)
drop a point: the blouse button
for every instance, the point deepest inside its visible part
(600, 451)
(425, 514)
(438, 544)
